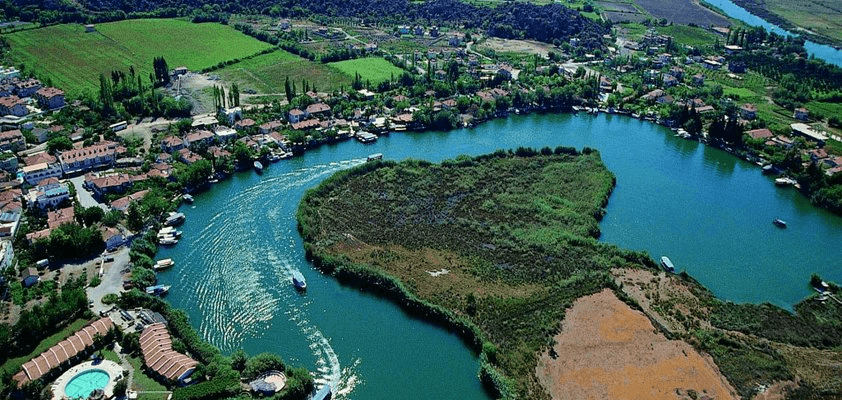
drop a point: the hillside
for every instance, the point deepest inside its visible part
(508, 20)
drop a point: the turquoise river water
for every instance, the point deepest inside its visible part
(710, 212)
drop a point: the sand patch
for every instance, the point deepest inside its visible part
(606, 350)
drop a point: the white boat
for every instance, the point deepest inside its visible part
(168, 241)
(258, 166)
(298, 280)
(163, 264)
(187, 198)
(375, 156)
(667, 264)
(785, 181)
(174, 218)
(158, 290)
(366, 137)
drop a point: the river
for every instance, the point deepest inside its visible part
(709, 211)
(821, 51)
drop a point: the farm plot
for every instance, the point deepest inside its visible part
(683, 12)
(372, 69)
(618, 16)
(73, 59)
(267, 73)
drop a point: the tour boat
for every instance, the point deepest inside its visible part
(163, 264)
(298, 280)
(158, 290)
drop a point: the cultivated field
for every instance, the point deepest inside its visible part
(73, 59)
(606, 350)
(266, 73)
(372, 69)
(823, 17)
(683, 12)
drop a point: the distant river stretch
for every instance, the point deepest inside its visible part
(708, 211)
(821, 51)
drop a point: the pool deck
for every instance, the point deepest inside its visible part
(111, 368)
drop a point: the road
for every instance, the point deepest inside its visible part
(85, 198)
(112, 279)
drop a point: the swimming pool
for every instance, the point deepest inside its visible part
(86, 382)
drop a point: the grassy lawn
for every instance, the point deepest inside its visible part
(73, 59)
(142, 382)
(374, 69)
(110, 355)
(12, 365)
(153, 396)
(266, 73)
(689, 35)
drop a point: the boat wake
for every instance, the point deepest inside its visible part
(233, 265)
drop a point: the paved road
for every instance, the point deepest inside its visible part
(85, 198)
(112, 279)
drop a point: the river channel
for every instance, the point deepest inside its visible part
(821, 51)
(709, 211)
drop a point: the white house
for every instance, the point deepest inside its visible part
(49, 193)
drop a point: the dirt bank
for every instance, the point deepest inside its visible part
(607, 350)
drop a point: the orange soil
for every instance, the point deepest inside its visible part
(606, 350)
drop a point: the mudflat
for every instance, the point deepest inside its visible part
(608, 350)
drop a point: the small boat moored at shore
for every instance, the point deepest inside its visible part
(158, 290)
(174, 218)
(375, 156)
(779, 223)
(163, 264)
(667, 264)
(167, 240)
(298, 280)
(366, 137)
(258, 166)
(785, 181)
(187, 198)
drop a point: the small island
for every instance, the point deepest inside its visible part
(503, 249)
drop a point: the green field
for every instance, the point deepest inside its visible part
(266, 73)
(73, 59)
(372, 69)
(823, 17)
(689, 35)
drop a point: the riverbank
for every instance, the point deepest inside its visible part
(761, 10)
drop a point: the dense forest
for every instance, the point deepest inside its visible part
(509, 20)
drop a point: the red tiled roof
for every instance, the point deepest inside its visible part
(156, 346)
(61, 216)
(308, 124)
(63, 351)
(317, 108)
(39, 158)
(49, 92)
(760, 134)
(84, 153)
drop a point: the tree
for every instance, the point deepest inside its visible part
(59, 143)
(239, 359)
(91, 215)
(134, 218)
(288, 89)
